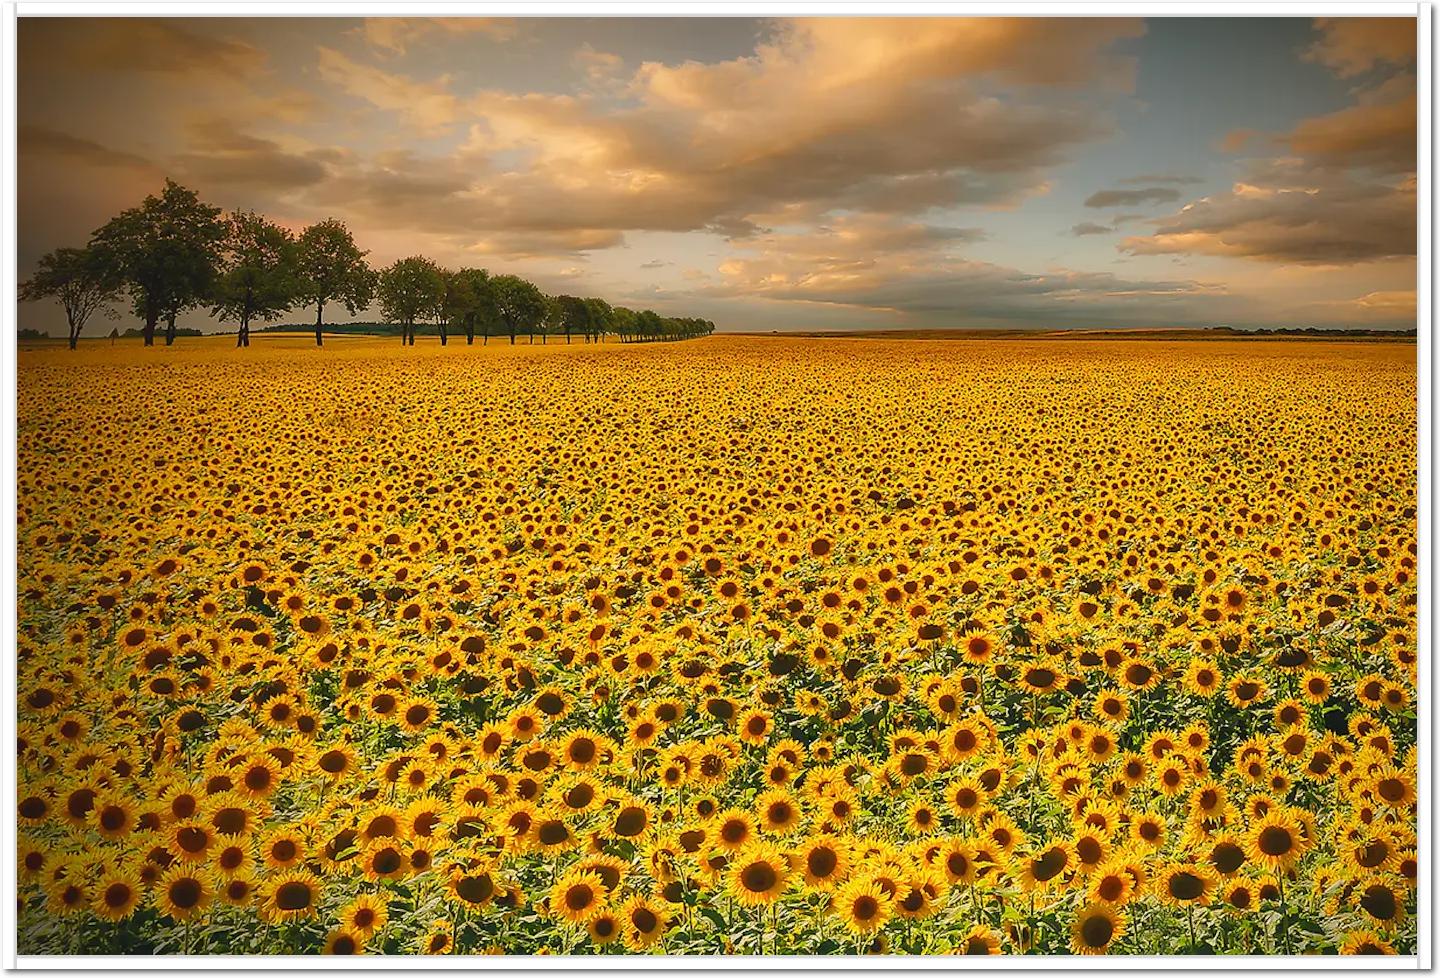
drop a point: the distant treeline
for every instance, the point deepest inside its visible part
(174, 252)
(1312, 331)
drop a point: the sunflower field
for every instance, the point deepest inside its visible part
(743, 645)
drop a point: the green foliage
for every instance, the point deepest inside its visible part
(166, 252)
(521, 305)
(411, 289)
(331, 268)
(80, 279)
(258, 280)
(470, 301)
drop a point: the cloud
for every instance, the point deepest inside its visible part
(925, 281)
(655, 263)
(1351, 46)
(393, 36)
(430, 106)
(1378, 131)
(1089, 227)
(824, 116)
(1161, 178)
(223, 155)
(139, 44)
(1343, 190)
(1286, 212)
(1397, 302)
(569, 243)
(1132, 198)
(43, 141)
(601, 67)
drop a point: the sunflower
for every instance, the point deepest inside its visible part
(290, 895)
(1148, 829)
(733, 830)
(1382, 898)
(283, 848)
(1275, 840)
(823, 861)
(966, 796)
(116, 895)
(1203, 677)
(578, 896)
(342, 941)
(471, 886)
(1095, 928)
(365, 915)
(1039, 678)
(862, 906)
(1226, 855)
(1111, 883)
(1365, 942)
(183, 893)
(758, 874)
(755, 726)
(1138, 675)
(922, 818)
(1368, 850)
(643, 922)
(114, 816)
(583, 750)
(1394, 788)
(438, 938)
(1244, 691)
(383, 859)
(1184, 884)
(980, 939)
(1044, 868)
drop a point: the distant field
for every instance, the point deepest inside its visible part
(796, 645)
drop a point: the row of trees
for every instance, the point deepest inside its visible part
(174, 252)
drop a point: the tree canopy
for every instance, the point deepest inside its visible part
(166, 252)
(410, 290)
(257, 280)
(80, 279)
(331, 268)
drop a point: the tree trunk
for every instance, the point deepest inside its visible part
(319, 331)
(152, 316)
(74, 330)
(444, 335)
(170, 330)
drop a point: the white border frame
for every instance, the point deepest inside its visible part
(285, 964)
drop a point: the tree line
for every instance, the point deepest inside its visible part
(174, 252)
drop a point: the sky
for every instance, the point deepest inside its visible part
(824, 173)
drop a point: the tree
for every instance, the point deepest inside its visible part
(166, 252)
(330, 269)
(470, 302)
(520, 304)
(600, 318)
(623, 320)
(258, 280)
(648, 324)
(572, 315)
(79, 278)
(410, 290)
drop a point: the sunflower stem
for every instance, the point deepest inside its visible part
(1284, 912)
